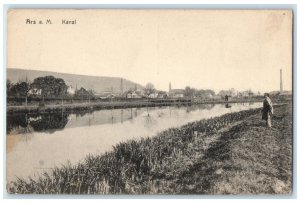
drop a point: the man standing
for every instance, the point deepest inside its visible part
(267, 110)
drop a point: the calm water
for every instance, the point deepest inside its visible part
(40, 142)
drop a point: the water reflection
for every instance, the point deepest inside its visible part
(227, 106)
(39, 123)
(150, 120)
(51, 122)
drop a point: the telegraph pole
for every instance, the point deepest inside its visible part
(26, 80)
(122, 85)
(281, 85)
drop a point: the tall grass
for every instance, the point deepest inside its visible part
(133, 167)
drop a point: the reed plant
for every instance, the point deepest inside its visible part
(145, 166)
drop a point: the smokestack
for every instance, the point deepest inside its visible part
(122, 85)
(281, 86)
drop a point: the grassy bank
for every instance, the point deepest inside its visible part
(230, 154)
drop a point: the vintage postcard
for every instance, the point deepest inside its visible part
(149, 101)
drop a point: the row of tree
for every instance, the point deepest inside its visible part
(202, 93)
(188, 91)
(192, 92)
(47, 86)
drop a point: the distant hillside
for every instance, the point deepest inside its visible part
(96, 83)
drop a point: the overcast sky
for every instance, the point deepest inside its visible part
(199, 48)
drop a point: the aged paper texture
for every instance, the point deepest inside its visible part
(149, 101)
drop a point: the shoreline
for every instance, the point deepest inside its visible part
(52, 108)
(164, 164)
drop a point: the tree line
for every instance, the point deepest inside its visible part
(46, 87)
(202, 93)
(56, 88)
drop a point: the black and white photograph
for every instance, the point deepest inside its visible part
(149, 102)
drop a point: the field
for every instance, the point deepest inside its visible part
(231, 154)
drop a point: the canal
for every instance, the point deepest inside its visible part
(39, 142)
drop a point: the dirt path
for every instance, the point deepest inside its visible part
(246, 158)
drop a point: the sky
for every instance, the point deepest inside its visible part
(204, 49)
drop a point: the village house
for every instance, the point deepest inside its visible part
(71, 90)
(106, 95)
(176, 93)
(162, 94)
(35, 91)
(153, 95)
(134, 94)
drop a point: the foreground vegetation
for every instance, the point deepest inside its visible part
(230, 154)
